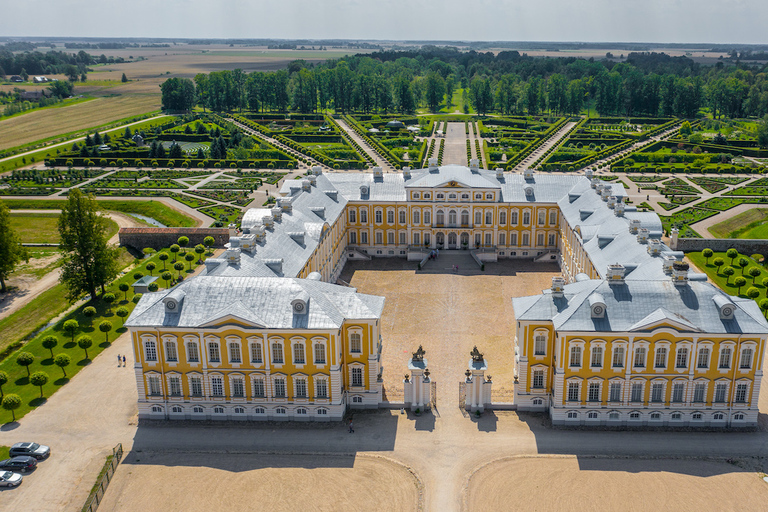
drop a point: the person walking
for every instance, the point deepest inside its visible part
(351, 428)
(118, 360)
(123, 360)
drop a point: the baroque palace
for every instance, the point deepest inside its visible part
(626, 336)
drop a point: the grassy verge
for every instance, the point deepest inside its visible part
(4, 452)
(155, 209)
(18, 381)
(44, 227)
(724, 282)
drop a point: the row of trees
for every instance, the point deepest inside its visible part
(508, 83)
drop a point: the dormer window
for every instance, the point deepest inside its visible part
(427, 195)
(489, 196)
(478, 196)
(416, 195)
(440, 196)
(465, 196)
(452, 196)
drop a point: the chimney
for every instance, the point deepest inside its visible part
(378, 173)
(528, 174)
(499, 173)
(605, 193)
(611, 202)
(275, 264)
(317, 170)
(312, 179)
(667, 261)
(432, 164)
(232, 255)
(306, 184)
(595, 182)
(642, 235)
(406, 173)
(680, 273)
(588, 173)
(285, 203)
(619, 209)
(474, 165)
(634, 226)
(654, 246)
(259, 231)
(616, 273)
(277, 213)
(268, 221)
(558, 287)
(248, 243)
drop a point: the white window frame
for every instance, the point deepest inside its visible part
(193, 378)
(303, 343)
(358, 332)
(256, 348)
(170, 342)
(195, 342)
(237, 342)
(212, 382)
(259, 381)
(173, 380)
(233, 378)
(276, 341)
(319, 382)
(319, 342)
(150, 350)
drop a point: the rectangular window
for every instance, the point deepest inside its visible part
(513, 218)
(513, 239)
(657, 392)
(678, 391)
(301, 388)
(594, 391)
(379, 238)
(298, 353)
(488, 240)
(352, 237)
(363, 237)
(213, 352)
(427, 216)
(234, 353)
(618, 357)
(573, 391)
(175, 385)
(526, 218)
(170, 351)
(703, 358)
(280, 387)
(150, 351)
(575, 356)
(154, 384)
(746, 359)
(502, 218)
(238, 387)
(319, 353)
(502, 239)
(538, 378)
(321, 388)
(416, 217)
(615, 391)
(720, 391)
(258, 388)
(526, 239)
(192, 355)
(277, 353)
(597, 357)
(637, 392)
(416, 239)
(699, 392)
(682, 358)
(488, 218)
(217, 386)
(540, 345)
(256, 353)
(542, 217)
(402, 238)
(357, 376)
(355, 344)
(402, 216)
(352, 216)
(540, 239)
(725, 357)
(196, 386)
(552, 217)
(640, 357)
(552, 240)
(661, 358)
(379, 216)
(741, 393)
(364, 216)
(390, 217)
(390, 238)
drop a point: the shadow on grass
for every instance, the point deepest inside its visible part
(70, 344)
(37, 402)
(11, 425)
(22, 381)
(84, 362)
(121, 330)
(47, 361)
(88, 328)
(61, 381)
(105, 344)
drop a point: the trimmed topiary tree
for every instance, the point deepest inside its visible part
(39, 379)
(50, 342)
(11, 402)
(175, 250)
(124, 288)
(71, 327)
(732, 253)
(753, 292)
(105, 327)
(183, 242)
(739, 282)
(754, 273)
(707, 253)
(190, 258)
(718, 262)
(85, 342)
(89, 312)
(25, 359)
(122, 312)
(728, 272)
(3, 381)
(62, 361)
(151, 266)
(163, 257)
(109, 298)
(167, 277)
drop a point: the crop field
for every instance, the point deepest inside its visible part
(51, 122)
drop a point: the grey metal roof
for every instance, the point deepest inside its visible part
(261, 302)
(634, 304)
(445, 174)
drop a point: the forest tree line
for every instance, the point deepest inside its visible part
(645, 84)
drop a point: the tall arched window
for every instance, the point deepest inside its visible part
(440, 217)
(464, 218)
(452, 217)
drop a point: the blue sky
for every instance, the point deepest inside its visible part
(677, 21)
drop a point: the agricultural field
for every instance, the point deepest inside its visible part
(749, 224)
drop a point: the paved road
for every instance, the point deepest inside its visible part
(455, 151)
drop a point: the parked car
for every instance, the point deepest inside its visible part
(10, 479)
(35, 450)
(22, 464)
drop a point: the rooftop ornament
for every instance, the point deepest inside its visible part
(419, 354)
(426, 373)
(477, 357)
(468, 373)
(407, 378)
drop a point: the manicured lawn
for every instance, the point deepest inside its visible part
(4, 452)
(155, 209)
(18, 381)
(44, 227)
(749, 224)
(722, 281)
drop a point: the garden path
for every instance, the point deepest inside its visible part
(369, 150)
(556, 139)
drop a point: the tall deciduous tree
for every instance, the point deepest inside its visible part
(89, 261)
(11, 250)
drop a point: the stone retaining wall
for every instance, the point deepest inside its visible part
(743, 245)
(160, 238)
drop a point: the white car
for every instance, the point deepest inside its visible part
(10, 479)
